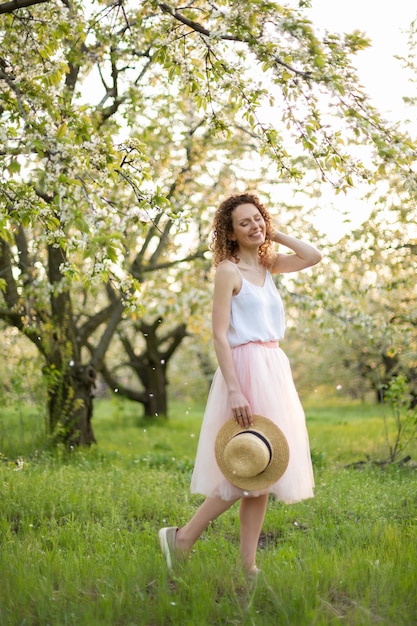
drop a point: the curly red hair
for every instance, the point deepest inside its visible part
(223, 247)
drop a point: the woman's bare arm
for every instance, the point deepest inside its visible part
(226, 282)
(304, 254)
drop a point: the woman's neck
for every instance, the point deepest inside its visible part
(250, 260)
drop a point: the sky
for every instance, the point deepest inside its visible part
(385, 22)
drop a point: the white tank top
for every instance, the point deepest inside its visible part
(257, 313)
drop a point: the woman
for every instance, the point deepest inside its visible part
(253, 376)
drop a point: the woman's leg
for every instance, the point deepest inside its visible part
(206, 513)
(252, 514)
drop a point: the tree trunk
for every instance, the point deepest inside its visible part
(71, 405)
(155, 382)
(149, 367)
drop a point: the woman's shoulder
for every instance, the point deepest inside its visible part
(227, 266)
(227, 271)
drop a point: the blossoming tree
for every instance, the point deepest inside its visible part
(116, 118)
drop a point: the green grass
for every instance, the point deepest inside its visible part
(79, 531)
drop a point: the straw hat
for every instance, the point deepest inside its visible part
(252, 458)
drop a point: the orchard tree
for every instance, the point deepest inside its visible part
(367, 320)
(177, 305)
(378, 295)
(95, 138)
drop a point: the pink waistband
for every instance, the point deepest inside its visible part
(266, 344)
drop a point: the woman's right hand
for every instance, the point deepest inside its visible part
(242, 412)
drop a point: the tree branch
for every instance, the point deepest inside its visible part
(195, 26)
(99, 352)
(127, 392)
(175, 337)
(11, 294)
(94, 322)
(9, 7)
(13, 87)
(160, 266)
(165, 8)
(24, 262)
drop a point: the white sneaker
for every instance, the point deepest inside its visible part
(167, 543)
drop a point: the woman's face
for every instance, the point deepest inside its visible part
(248, 225)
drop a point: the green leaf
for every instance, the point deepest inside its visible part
(14, 167)
(62, 130)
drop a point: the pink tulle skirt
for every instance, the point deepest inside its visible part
(265, 376)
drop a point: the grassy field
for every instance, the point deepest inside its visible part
(79, 531)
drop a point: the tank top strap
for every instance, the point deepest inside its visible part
(234, 265)
(236, 268)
